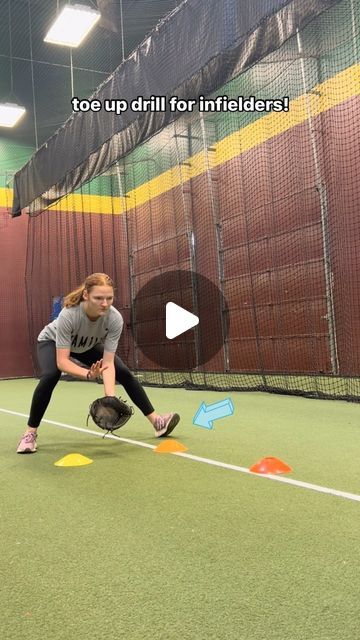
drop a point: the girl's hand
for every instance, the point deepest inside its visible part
(96, 370)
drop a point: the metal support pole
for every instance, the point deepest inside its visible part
(122, 196)
(321, 188)
(189, 230)
(219, 243)
(354, 29)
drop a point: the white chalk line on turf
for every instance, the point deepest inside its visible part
(214, 463)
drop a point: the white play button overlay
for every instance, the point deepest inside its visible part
(178, 320)
(168, 336)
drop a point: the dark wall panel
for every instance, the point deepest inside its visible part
(270, 263)
(73, 246)
(272, 246)
(342, 135)
(14, 334)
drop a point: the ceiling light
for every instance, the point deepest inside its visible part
(10, 114)
(72, 25)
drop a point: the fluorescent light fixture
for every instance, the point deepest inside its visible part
(72, 25)
(10, 114)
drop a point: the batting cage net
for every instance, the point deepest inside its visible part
(241, 205)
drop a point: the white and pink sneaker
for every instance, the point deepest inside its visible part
(164, 425)
(27, 443)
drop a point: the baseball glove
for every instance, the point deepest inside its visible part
(109, 413)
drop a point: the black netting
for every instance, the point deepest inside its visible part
(262, 204)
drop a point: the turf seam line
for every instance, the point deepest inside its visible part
(224, 465)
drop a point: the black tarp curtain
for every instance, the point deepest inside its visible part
(196, 49)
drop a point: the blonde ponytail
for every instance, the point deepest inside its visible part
(74, 297)
(94, 280)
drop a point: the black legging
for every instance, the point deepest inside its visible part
(50, 376)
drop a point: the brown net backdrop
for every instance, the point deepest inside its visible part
(264, 205)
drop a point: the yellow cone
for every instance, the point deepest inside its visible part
(170, 446)
(73, 460)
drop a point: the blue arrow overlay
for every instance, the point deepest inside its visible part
(206, 414)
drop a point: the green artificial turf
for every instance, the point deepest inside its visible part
(140, 545)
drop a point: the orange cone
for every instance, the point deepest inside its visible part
(270, 465)
(170, 446)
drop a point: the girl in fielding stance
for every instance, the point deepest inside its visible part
(88, 329)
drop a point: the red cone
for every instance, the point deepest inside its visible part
(270, 465)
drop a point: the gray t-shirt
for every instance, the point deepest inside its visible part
(73, 330)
